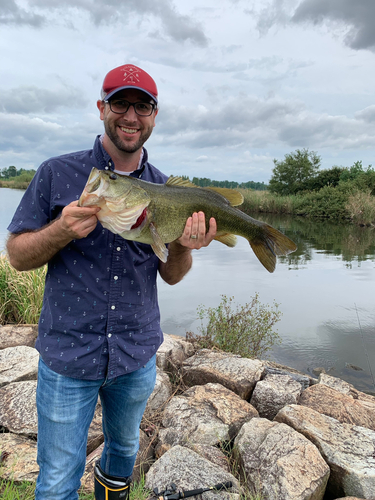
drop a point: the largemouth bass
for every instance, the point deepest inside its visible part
(156, 213)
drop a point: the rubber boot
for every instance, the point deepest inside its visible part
(110, 487)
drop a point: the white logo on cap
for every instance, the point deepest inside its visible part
(131, 75)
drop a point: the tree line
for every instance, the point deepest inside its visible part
(205, 182)
(12, 171)
(299, 173)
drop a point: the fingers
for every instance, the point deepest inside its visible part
(77, 221)
(195, 235)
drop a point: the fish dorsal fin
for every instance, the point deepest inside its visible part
(234, 197)
(179, 181)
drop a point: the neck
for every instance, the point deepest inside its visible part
(125, 162)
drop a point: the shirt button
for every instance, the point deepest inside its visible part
(118, 249)
(113, 307)
(115, 277)
(109, 335)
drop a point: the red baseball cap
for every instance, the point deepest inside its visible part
(128, 76)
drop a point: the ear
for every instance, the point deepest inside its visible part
(101, 105)
(155, 113)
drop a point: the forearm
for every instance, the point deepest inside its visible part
(33, 249)
(178, 264)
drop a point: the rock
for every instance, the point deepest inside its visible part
(345, 388)
(272, 368)
(173, 352)
(279, 463)
(207, 414)
(161, 393)
(190, 471)
(211, 453)
(318, 370)
(273, 393)
(348, 450)
(342, 407)
(18, 408)
(18, 363)
(19, 463)
(18, 335)
(237, 374)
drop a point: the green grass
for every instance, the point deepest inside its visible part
(21, 294)
(10, 490)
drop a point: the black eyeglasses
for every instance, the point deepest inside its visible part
(120, 106)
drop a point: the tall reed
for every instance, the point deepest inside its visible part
(21, 294)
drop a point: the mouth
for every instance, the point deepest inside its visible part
(128, 130)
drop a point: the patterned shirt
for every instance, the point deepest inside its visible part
(100, 316)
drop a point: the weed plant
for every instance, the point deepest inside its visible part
(246, 330)
(21, 294)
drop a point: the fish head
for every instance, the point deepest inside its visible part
(121, 200)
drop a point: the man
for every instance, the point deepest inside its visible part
(99, 328)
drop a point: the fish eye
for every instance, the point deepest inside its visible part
(113, 177)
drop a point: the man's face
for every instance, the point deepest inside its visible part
(128, 131)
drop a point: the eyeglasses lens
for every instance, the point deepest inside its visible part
(122, 106)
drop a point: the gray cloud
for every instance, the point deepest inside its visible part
(355, 17)
(358, 16)
(12, 14)
(178, 27)
(31, 99)
(257, 123)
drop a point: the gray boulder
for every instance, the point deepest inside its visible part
(273, 393)
(207, 414)
(18, 363)
(349, 450)
(279, 463)
(190, 471)
(233, 372)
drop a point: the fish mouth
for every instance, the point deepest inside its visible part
(94, 182)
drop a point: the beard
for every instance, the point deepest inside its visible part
(122, 144)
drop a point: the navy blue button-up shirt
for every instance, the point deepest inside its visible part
(100, 315)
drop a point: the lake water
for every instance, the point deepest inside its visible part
(325, 291)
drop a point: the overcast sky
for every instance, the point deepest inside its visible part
(241, 82)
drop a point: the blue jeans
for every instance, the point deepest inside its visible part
(65, 409)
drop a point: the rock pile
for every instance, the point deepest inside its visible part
(270, 430)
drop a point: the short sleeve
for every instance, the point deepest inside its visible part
(34, 210)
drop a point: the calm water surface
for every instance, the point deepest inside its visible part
(325, 292)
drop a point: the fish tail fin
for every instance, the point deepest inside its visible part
(269, 244)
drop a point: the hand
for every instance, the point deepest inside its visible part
(78, 222)
(194, 235)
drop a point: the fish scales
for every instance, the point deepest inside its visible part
(156, 214)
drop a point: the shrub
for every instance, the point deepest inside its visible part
(361, 208)
(329, 202)
(245, 330)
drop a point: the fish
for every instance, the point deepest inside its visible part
(156, 214)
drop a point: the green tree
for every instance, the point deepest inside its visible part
(12, 171)
(290, 175)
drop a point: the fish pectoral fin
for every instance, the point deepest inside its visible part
(227, 238)
(158, 245)
(234, 197)
(269, 244)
